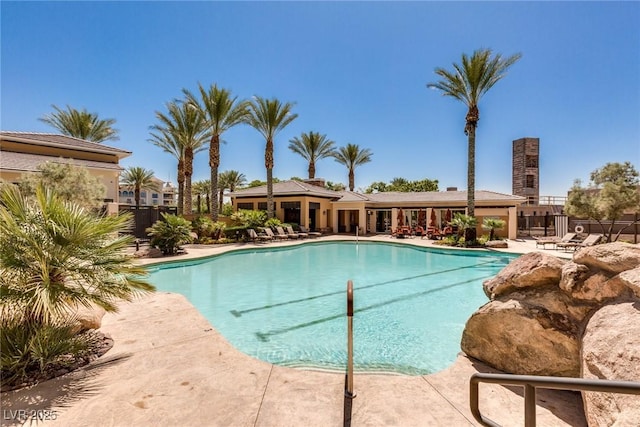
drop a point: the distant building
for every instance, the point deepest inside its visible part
(167, 195)
(23, 152)
(526, 169)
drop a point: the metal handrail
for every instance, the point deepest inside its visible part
(349, 388)
(531, 382)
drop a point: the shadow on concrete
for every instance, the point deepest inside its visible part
(565, 405)
(40, 402)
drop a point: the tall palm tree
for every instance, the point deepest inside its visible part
(312, 147)
(221, 112)
(138, 179)
(467, 83)
(352, 156)
(269, 116)
(169, 142)
(231, 180)
(187, 126)
(81, 124)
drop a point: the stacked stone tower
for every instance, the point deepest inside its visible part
(526, 169)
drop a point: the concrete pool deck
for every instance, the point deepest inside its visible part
(170, 367)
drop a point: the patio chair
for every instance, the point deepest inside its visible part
(301, 234)
(258, 237)
(590, 240)
(310, 233)
(554, 240)
(281, 232)
(275, 236)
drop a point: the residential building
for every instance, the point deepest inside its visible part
(165, 195)
(309, 204)
(23, 152)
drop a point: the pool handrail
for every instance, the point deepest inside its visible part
(531, 382)
(349, 387)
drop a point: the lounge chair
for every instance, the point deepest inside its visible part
(290, 231)
(281, 232)
(258, 237)
(275, 236)
(567, 238)
(590, 240)
(310, 233)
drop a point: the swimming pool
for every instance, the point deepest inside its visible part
(287, 305)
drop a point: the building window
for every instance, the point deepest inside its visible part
(143, 194)
(262, 206)
(154, 195)
(247, 206)
(532, 161)
(155, 202)
(531, 180)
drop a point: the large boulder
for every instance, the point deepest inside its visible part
(611, 350)
(585, 285)
(86, 318)
(612, 257)
(629, 279)
(535, 269)
(519, 338)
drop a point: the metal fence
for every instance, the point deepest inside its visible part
(544, 225)
(145, 216)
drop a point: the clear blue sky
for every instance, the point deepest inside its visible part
(357, 72)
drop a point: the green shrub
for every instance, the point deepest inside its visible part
(169, 233)
(227, 209)
(218, 229)
(249, 218)
(32, 347)
(235, 233)
(203, 227)
(272, 222)
(493, 224)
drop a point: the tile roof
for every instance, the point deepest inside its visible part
(57, 140)
(23, 162)
(286, 188)
(432, 196)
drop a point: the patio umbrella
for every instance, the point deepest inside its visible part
(447, 216)
(400, 218)
(432, 221)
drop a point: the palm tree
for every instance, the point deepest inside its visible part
(467, 83)
(312, 147)
(202, 188)
(81, 124)
(139, 179)
(172, 145)
(352, 156)
(221, 112)
(56, 256)
(269, 116)
(231, 180)
(186, 127)
(493, 224)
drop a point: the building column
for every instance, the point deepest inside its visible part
(513, 222)
(394, 219)
(362, 220)
(334, 219)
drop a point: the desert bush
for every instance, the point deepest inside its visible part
(169, 233)
(272, 222)
(249, 218)
(203, 227)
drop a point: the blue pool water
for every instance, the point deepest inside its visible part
(288, 305)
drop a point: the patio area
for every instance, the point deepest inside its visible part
(169, 367)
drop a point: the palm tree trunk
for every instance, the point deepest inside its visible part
(473, 115)
(180, 187)
(208, 200)
(136, 195)
(312, 170)
(214, 163)
(268, 162)
(199, 208)
(221, 191)
(352, 179)
(188, 172)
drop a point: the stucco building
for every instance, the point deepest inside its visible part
(311, 205)
(23, 152)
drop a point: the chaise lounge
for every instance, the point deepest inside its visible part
(590, 240)
(567, 238)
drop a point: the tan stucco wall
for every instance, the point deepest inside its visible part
(323, 219)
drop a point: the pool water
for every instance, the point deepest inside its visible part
(287, 306)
